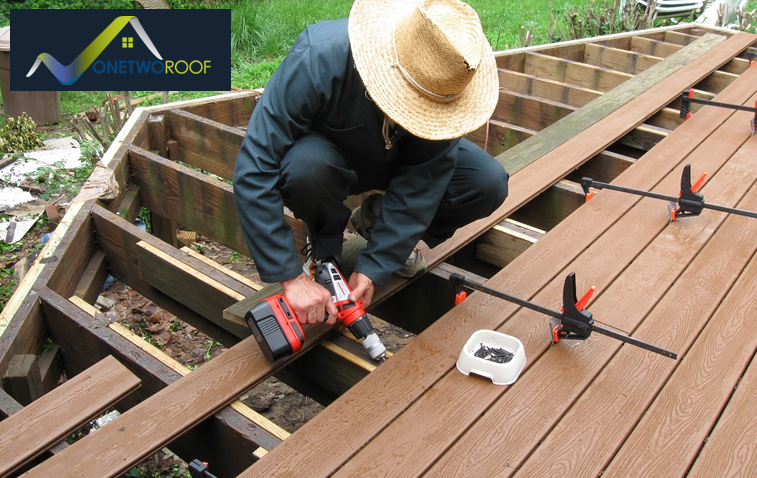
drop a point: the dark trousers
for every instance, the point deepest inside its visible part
(316, 178)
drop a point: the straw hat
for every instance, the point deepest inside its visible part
(426, 64)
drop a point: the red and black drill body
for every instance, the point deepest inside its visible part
(278, 331)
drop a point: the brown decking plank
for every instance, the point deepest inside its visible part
(551, 390)
(152, 424)
(227, 439)
(369, 406)
(455, 403)
(669, 436)
(730, 448)
(46, 421)
(619, 396)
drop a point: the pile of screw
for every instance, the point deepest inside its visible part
(493, 354)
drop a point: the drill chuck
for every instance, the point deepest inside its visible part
(374, 347)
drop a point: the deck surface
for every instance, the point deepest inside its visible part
(597, 406)
(605, 107)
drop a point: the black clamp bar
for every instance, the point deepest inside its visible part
(688, 98)
(571, 323)
(689, 202)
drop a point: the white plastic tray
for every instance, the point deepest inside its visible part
(499, 373)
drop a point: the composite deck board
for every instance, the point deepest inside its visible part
(676, 425)
(614, 402)
(47, 420)
(371, 405)
(557, 381)
(551, 382)
(730, 448)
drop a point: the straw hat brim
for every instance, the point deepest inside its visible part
(371, 33)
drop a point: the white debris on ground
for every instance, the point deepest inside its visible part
(22, 208)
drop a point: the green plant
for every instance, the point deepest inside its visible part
(19, 134)
(600, 17)
(6, 291)
(145, 216)
(61, 181)
(48, 344)
(6, 248)
(208, 346)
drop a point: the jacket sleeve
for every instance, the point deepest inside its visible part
(408, 207)
(286, 109)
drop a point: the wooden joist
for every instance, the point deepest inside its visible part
(40, 425)
(206, 144)
(118, 239)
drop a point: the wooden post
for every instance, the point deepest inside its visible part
(22, 381)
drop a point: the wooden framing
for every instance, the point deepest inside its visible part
(594, 108)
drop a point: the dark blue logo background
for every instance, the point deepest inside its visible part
(97, 50)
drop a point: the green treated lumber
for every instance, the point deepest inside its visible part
(206, 144)
(558, 133)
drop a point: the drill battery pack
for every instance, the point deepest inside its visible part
(275, 327)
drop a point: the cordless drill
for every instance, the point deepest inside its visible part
(278, 331)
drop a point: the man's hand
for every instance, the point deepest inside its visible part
(309, 300)
(362, 289)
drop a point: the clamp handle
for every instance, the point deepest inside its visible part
(686, 103)
(690, 201)
(575, 323)
(586, 183)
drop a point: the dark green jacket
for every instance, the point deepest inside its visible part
(317, 88)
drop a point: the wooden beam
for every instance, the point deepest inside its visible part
(92, 279)
(119, 239)
(22, 380)
(501, 244)
(227, 439)
(157, 131)
(606, 165)
(605, 105)
(618, 60)
(21, 322)
(231, 110)
(529, 112)
(206, 144)
(716, 82)
(552, 206)
(172, 276)
(545, 88)
(573, 72)
(648, 46)
(500, 136)
(130, 205)
(189, 198)
(39, 426)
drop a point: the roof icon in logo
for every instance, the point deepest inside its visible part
(70, 73)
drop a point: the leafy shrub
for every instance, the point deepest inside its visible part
(19, 134)
(601, 17)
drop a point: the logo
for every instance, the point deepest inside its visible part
(184, 50)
